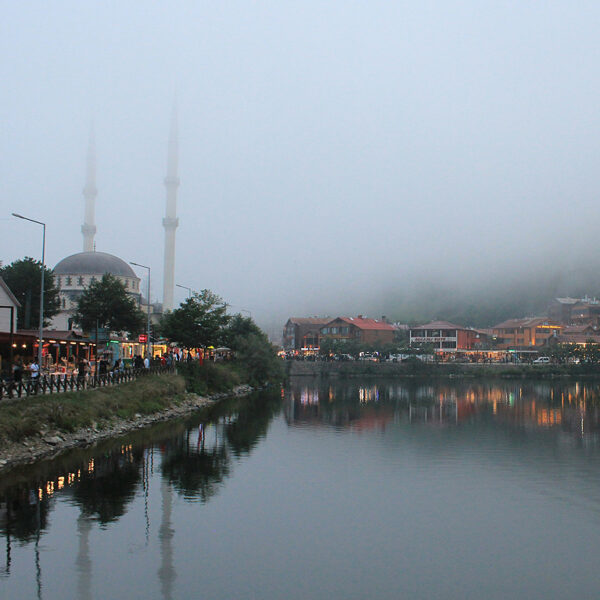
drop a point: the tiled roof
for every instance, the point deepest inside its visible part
(439, 325)
(577, 338)
(578, 329)
(364, 323)
(526, 322)
(309, 321)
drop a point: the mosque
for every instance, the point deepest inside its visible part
(75, 273)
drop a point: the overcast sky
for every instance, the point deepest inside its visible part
(328, 150)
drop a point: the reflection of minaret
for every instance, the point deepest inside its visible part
(89, 193)
(170, 221)
(83, 561)
(166, 572)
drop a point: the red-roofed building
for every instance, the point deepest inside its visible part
(446, 337)
(359, 329)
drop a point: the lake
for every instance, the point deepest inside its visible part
(346, 489)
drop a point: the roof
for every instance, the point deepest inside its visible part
(56, 334)
(439, 325)
(308, 320)
(567, 300)
(366, 324)
(577, 338)
(9, 293)
(526, 322)
(93, 263)
(578, 329)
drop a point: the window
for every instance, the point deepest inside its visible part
(126, 283)
(345, 330)
(325, 330)
(80, 280)
(64, 303)
(59, 282)
(334, 330)
(69, 280)
(92, 279)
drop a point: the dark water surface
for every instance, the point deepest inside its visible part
(360, 489)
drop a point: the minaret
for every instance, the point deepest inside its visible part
(89, 193)
(170, 221)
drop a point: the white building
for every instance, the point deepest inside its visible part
(75, 273)
(7, 301)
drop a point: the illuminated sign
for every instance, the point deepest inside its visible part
(142, 338)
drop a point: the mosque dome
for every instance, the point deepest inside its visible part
(94, 263)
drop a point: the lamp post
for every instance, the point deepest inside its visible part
(41, 335)
(148, 323)
(183, 287)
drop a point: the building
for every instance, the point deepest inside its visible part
(446, 337)
(575, 311)
(358, 329)
(525, 333)
(75, 273)
(578, 334)
(8, 307)
(302, 333)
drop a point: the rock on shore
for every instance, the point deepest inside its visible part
(52, 443)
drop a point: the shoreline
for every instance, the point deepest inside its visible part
(466, 371)
(53, 443)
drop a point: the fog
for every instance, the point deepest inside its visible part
(335, 157)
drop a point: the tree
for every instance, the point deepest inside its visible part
(107, 305)
(199, 322)
(239, 328)
(23, 277)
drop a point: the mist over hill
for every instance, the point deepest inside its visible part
(488, 301)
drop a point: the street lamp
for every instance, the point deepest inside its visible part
(41, 335)
(240, 308)
(148, 323)
(183, 287)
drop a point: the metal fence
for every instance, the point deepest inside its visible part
(55, 384)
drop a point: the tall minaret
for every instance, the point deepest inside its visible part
(89, 193)
(170, 221)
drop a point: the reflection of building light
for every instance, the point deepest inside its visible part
(547, 417)
(91, 466)
(368, 394)
(61, 482)
(50, 488)
(70, 478)
(40, 493)
(309, 396)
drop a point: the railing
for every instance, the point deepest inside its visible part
(55, 384)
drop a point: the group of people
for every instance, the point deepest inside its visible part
(19, 368)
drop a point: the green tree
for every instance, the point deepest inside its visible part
(238, 328)
(23, 277)
(199, 322)
(107, 305)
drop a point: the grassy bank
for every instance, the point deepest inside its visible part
(71, 411)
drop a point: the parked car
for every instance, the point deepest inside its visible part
(542, 360)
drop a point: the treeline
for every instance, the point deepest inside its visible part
(201, 322)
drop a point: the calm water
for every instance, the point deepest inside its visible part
(357, 489)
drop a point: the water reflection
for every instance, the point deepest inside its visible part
(152, 473)
(571, 407)
(195, 459)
